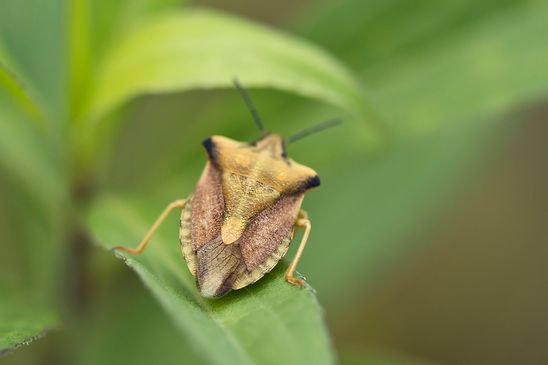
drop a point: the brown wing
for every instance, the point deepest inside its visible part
(207, 211)
(268, 229)
(219, 267)
(266, 240)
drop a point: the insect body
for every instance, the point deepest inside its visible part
(240, 219)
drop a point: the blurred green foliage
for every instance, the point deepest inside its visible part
(81, 161)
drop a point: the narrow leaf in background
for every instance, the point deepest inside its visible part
(33, 193)
(97, 26)
(32, 33)
(433, 64)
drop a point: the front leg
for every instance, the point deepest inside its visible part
(302, 221)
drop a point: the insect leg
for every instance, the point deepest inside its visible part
(302, 221)
(180, 203)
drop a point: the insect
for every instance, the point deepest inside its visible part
(240, 220)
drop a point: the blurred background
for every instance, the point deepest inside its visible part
(429, 247)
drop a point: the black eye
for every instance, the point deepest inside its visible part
(313, 182)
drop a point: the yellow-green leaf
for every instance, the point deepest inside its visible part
(203, 49)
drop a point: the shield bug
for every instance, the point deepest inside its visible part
(240, 219)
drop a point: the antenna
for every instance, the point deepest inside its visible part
(250, 106)
(314, 129)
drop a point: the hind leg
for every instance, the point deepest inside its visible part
(141, 247)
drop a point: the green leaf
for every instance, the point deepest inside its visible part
(110, 20)
(32, 203)
(29, 259)
(96, 26)
(22, 323)
(433, 64)
(13, 87)
(271, 322)
(204, 49)
(496, 69)
(32, 33)
(26, 146)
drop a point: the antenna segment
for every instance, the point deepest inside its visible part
(250, 106)
(314, 129)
